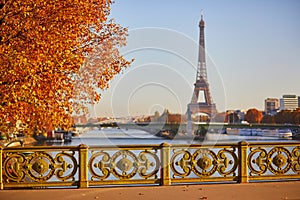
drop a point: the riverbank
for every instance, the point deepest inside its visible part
(22, 141)
(247, 191)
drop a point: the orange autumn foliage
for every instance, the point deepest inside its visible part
(54, 57)
(253, 116)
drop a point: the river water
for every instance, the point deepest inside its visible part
(113, 136)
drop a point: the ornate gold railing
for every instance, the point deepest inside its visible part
(165, 164)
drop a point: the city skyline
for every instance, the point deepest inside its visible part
(253, 50)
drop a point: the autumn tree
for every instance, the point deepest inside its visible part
(253, 116)
(268, 119)
(55, 56)
(288, 116)
(296, 116)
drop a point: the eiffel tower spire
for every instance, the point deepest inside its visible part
(201, 69)
(202, 85)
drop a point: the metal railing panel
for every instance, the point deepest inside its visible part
(124, 164)
(204, 163)
(30, 167)
(271, 162)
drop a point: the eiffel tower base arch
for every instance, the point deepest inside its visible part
(196, 108)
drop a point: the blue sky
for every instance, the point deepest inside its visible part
(253, 52)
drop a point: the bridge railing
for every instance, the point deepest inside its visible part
(164, 164)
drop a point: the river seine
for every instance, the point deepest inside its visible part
(113, 136)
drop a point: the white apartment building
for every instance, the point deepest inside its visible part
(289, 102)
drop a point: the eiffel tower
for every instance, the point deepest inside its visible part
(204, 104)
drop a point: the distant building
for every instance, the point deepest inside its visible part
(289, 102)
(241, 114)
(271, 106)
(82, 119)
(235, 116)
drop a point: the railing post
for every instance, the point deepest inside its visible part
(1, 166)
(83, 166)
(243, 162)
(165, 164)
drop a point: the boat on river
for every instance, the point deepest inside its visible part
(281, 133)
(170, 135)
(251, 132)
(59, 136)
(285, 133)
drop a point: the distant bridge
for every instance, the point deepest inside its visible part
(154, 127)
